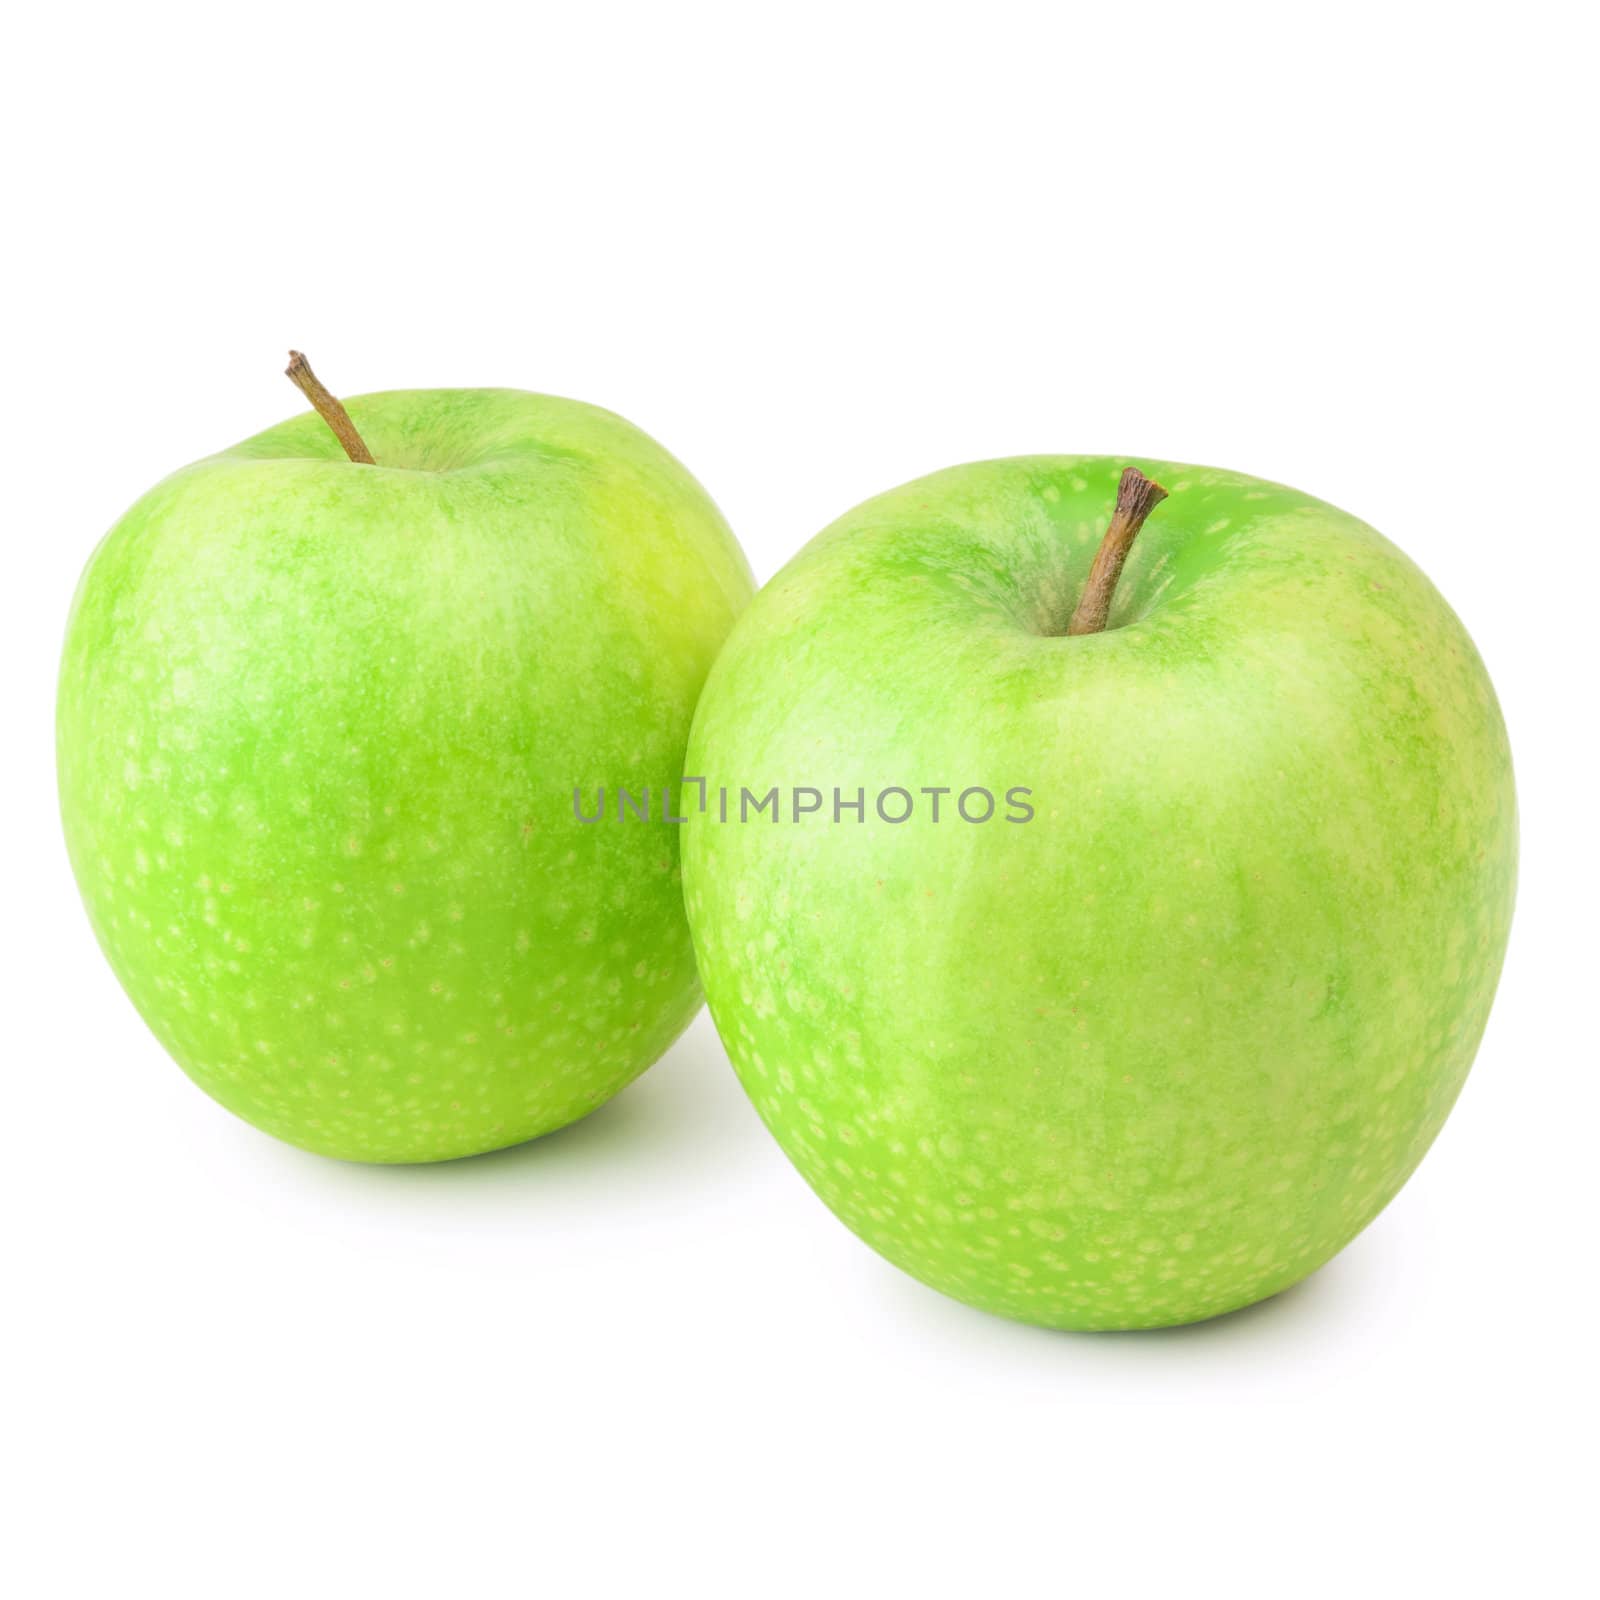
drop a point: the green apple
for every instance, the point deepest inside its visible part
(319, 728)
(1159, 1035)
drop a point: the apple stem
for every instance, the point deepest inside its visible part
(328, 408)
(1137, 497)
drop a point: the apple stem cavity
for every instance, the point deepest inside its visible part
(1137, 497)
(328, 408)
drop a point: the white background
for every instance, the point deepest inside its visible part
(817, 251)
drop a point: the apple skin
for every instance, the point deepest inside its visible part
(319, 727)
(1163, 1050)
